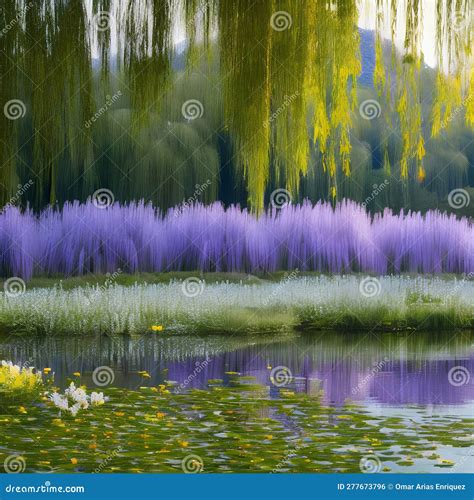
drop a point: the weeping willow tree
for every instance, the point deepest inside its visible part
(46, 59)
(287, 71)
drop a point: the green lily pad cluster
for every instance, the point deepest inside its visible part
(240, 427)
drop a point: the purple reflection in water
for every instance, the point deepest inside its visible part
(394, 369)
(394, 382)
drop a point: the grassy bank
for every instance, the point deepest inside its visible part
(125, 279)
(254, 306)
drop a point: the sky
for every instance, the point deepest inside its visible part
(366, 21)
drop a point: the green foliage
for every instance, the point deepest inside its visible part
(266, 86)
(237, 427)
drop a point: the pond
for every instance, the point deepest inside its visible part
(298, 402)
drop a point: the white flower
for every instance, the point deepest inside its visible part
(13, 369)
(69, 391)
(78, 398)
(97, 398)
(77, 394)
(60, 401)
(74, 409)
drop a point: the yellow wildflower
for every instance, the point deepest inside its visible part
(46, 371)
(420, 150)
(76, 374)
(157, 328)
(421, 174)
(74, 461)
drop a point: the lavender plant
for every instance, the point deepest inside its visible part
(87, 238)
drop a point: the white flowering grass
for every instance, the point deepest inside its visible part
(316, 302)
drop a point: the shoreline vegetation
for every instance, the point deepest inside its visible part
(186, 303)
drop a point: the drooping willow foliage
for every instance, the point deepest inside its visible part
(287, 72)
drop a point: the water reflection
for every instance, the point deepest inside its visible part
(388, 369)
